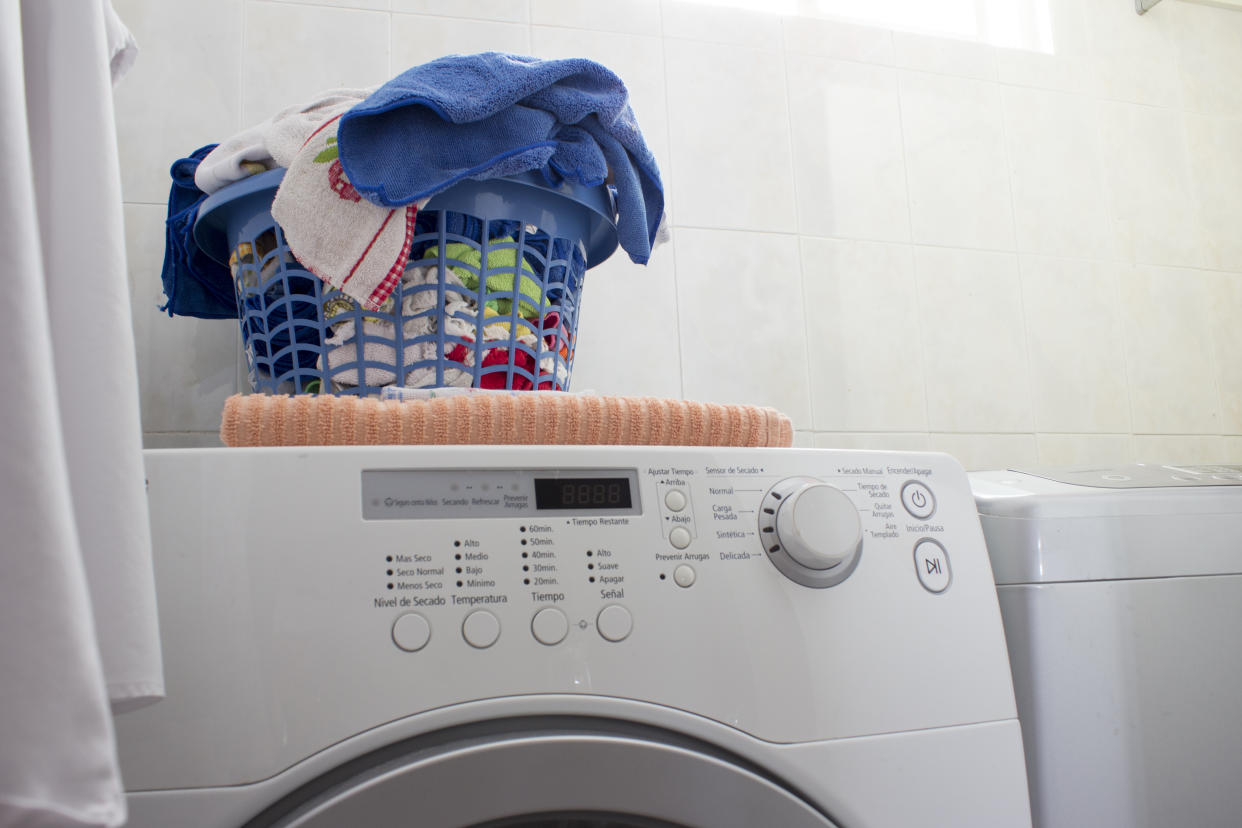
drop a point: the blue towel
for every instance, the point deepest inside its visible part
(194, 284)
(494, 114)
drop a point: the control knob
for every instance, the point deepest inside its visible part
(811, 531)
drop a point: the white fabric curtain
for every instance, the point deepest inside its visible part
(78, 634)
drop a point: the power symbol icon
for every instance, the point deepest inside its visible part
(918, 500)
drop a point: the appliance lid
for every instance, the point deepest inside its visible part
(1092, 523)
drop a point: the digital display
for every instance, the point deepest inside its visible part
(582, 493)
(481, 493)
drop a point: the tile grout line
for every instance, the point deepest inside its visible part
(1011, 173)
(809, 377)
(914, 265)
(672, 243)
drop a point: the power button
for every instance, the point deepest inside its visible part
(918, 500)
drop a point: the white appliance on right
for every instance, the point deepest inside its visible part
(1121, 594)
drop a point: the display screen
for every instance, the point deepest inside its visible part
(582, 493)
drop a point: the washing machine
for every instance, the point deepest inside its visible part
(1121, 592)
(572, 636)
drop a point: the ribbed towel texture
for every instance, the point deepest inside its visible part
(496, 114)
(534, 419)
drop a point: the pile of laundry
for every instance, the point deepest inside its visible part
(359, 166)
(440, 339)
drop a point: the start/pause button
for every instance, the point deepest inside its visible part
(931, 562)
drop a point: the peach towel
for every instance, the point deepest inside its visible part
(534, 419)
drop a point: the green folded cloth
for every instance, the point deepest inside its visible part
(497, 258)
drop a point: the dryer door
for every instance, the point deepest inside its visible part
(547, 773)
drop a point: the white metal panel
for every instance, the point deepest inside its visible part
(1127, 694)
(1042, 531)
(277, 618)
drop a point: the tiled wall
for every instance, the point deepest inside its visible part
(901, 239)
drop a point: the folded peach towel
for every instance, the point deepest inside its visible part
(533, 419)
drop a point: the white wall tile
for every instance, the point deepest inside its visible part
(890, 441)
(507, 11)
(987, 452)
(638, 61)
(1166, 325)
(417, 39)
(1062, 21)
(945, 56)
(181, 439)
(1085, 449)
(1226, 302)
(1174, 449)
(739, 299)
(1047, 26)
(1231, 450)
(291, 53)
(955, 160)
(628, 336)
(1055, 154)
(863, 336)
(732, 165)
(186, 367)
(842, 41)
(726, 97)
(367, 5)
(849, 169)
(144, 251)
(1064, 73)
(1209, 58)
(182, 92)
(720, 24)
(952, 18)
(974, 355)
(1215, 150)
(1135, 54)
(1054, 53)
(1147, 172)
(1073, 329)
(637, 17)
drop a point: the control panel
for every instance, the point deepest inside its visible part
(794, 594)
(572, 544)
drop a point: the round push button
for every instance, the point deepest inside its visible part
(614, 622)
(679, 537)
(684, 575)
(675, 501)
(411, 632)
(549, 626)
(480, 629)
(918, 500)
(931, 562)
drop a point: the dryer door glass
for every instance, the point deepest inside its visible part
(547, 772)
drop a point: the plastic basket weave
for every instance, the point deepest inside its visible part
(489, 299)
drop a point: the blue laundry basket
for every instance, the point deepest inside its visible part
(489, 299)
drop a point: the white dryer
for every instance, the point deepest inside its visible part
(572, 636)
(1121, 591)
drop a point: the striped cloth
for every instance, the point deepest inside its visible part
(532, 419)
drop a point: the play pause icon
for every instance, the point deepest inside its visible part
(931, 563)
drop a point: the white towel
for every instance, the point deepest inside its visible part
(353, 245)
(274, 142)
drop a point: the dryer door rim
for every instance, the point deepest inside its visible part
(505, 770)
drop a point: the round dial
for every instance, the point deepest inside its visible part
(811, 531)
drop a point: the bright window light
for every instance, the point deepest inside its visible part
(1013, 24)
